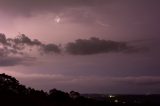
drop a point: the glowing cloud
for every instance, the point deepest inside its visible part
(57, 19)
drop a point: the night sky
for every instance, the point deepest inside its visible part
(90, 46)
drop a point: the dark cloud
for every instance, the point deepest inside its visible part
(3, 39)
(13, 50)
(50, 48)
(22, 41)
(96, 45)
(11, 56)
(79, 47)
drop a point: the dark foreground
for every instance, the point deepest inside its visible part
(14, 94)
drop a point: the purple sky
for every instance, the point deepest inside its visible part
(90, 46)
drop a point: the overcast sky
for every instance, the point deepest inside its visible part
(90, 46)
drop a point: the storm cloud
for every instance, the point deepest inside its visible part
(13, 50)
(19, 50)
(22, 41)
(95, 46)
(90, 46)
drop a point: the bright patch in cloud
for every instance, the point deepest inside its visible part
(57, 19)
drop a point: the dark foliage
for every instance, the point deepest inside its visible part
(12, 93)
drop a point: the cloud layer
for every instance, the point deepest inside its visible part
(15, 51)
(132, 80)
(128, 82)
(95, 46)
(27, 6)
(21, 42)
(22, 47)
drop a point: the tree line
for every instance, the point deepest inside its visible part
(13, 93)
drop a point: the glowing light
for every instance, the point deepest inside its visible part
(116, 101)
(57, 19)
(111, 96)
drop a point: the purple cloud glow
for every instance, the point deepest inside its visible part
(93, 46)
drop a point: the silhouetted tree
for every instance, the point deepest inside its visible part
(12, 93)
(36, 93)
(9, 85)
(57, 95)
(74, 94)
